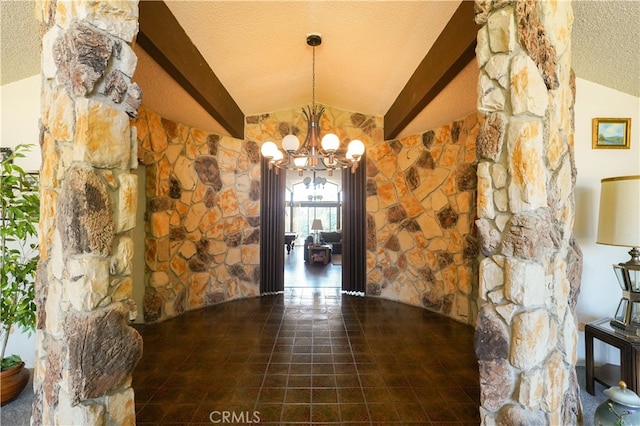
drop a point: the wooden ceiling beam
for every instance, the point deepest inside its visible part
(162, 37)
(452, 51)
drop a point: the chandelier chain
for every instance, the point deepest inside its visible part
(313, 78)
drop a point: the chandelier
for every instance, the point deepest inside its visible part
(314, 153)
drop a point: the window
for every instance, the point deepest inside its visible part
(307, 203)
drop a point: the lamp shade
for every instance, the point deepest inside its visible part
(316, 225)
(619, 218)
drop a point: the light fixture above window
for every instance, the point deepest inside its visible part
(314, 153)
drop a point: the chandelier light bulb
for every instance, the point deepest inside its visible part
(356, 147)
(330, 142)
(300, 162)
(290, 143)
(269, 149)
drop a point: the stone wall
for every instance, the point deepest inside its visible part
(202, 217)
(85, 352)
(526, 331)
(421, 245)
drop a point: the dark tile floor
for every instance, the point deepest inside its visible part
(309, 356)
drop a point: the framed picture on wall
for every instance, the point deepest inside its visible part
(611, 133)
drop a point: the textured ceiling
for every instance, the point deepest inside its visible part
(369, 50)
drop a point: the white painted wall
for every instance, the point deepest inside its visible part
(599, 293)
(19, 115)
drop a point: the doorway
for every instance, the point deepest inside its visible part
(353, 222)
(313, 230)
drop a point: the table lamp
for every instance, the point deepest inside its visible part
(317, 226)
(619, 225)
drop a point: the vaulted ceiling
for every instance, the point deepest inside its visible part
(370, 50)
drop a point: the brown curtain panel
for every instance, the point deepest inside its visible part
(354, 238)
(272, 191)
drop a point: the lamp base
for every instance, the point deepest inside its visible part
(626, 330)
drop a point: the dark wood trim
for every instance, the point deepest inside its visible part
(162, 37)
(452, 51)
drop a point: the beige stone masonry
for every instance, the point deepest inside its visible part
(201, 212)
(526, 331)
(88, 206)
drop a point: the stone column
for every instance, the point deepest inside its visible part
(526, 331)
(85, 351)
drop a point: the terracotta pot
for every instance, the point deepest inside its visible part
(12, 381)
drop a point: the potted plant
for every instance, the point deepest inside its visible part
(20, 212)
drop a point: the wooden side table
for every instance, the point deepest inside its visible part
(608, 374)
(320, 254)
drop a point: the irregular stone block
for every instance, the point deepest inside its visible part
(528, 235)
(502, 30)
(81, 57)
(574, 271)
(69, 412)
(490, 137)
(571, 406)
(447, 217)
(512, 415)
(208, 172)
(84, 220)
(228, 202)
(396, 214)
(427, 138)
(127, 202)
(497, 383)
(489, 237)
(433, 300)
(483, 51)
(485, 207)
(525, 282)
(491, 276)
(101, 14)
(528, 91)
(491, 97)
(371, 233)
(49, 39)
(183, 169)
(103, 135)
(133, 100)
(152, 306)
(115, 86)
(527, 190)
(121, 261)
(529, 338)
(481, 9)
(532, 389)
(466, 177)
(499, 175)
(498, 69)
(491, 336)
(533, 37)
(88, 282)
(103, 351)
(121, 407)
